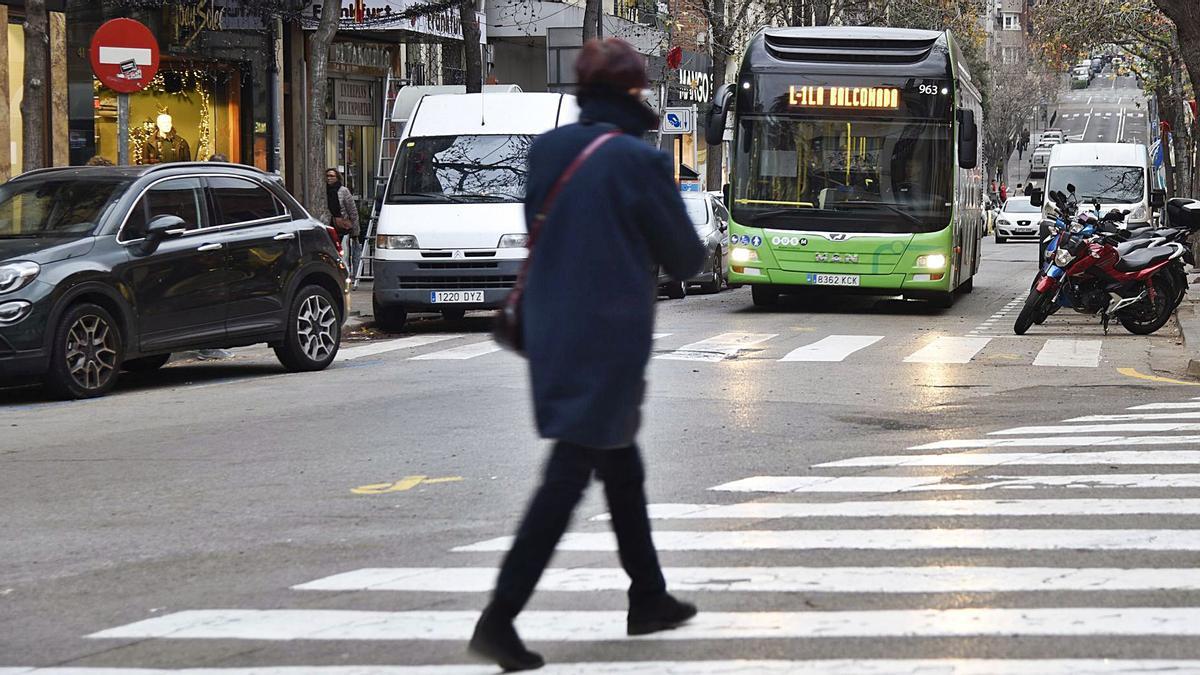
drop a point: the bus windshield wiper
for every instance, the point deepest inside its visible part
(890, 207)
(775, 213)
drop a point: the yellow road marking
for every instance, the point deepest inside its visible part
(406, 483)
(1130, 372)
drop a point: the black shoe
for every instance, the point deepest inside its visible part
(662, 613)
(496, 640)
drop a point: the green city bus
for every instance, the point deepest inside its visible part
(854, 164)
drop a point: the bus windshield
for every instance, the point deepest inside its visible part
(843, 175)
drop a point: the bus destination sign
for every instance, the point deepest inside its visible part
(875, 98)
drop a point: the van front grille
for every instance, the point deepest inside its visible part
(455, 283)
(458, 266)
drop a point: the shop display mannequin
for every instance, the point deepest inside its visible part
(165, 145)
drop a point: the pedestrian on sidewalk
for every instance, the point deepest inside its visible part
(343, 215)
(588, 314)
(1003, 192)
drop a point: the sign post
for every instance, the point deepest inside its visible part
(124, 56)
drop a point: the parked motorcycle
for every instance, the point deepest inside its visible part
(1086, 272)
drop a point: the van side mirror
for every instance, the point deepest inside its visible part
(159, 229)
(968, 139)
(1037, 197)
(1158, 198)
(714, 126)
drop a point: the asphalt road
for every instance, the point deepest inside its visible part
(170, 524)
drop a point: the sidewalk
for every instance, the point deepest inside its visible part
(360, 314)
(1188, 316)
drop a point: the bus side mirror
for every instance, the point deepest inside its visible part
(726, 195)
(1158, 198)
(714, 127)
(968, 139)
(1037, 197)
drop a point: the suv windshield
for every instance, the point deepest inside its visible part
(843, 175)
(56, 206)
(460, 169)
(1114, 184)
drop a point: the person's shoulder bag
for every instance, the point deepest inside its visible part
(508, 330)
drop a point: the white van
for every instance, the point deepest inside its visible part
(1117, 174)
(451, 234)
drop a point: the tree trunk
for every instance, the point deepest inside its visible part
(716, 153)
(472, 54)
(34, 118)
(1164, 107)
(592, 15)
(318, 84)
(821, 12)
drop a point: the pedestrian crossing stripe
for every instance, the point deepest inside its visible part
(1187, 405)
(604, 626)
(880, 540)
(898, 484)
(718, 348)
(1056, 442)
(945, 349)
(1114, 457)
(1100, 428)
(888, 580)
(925, 508)
(947, 666)
(833, 348)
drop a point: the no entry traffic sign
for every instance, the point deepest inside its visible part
(124, 55)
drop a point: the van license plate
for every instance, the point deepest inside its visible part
(452, 297)
(833, 279)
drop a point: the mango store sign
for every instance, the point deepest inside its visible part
(390, 15)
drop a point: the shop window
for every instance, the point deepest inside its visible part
(16, 93)
(241, 201)
(183, 197)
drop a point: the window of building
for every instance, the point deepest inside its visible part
(1012, 21)
(1011, 55)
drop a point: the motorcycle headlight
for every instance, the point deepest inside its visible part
(17, 275)
(514, 241)
(1063, 257)
(396, 241)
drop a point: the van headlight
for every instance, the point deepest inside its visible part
(17, 275)
(514, 241)
(1138, 214)
(935, 261)
(395, 241)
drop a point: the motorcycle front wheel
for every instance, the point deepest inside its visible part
(1035, 306)
(1147, 317)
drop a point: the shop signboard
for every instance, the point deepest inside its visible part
(352, 102)
(394, 15)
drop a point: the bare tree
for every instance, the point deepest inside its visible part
(472, 54)
(593, 15)
(33, 107)
(318, 85)
(1186, 16)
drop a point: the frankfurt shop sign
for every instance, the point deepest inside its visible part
(124, 55)
(390, 15)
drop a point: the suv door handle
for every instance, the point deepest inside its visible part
(216, 246)
(284, 236)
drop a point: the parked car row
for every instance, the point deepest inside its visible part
(710, 217)
(105, 269)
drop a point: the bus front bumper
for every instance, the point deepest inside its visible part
(871, 284)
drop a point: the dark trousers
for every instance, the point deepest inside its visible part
(568, 472)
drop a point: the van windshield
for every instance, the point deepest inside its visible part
(1113, 184)
(460, 169)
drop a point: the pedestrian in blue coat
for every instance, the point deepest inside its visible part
(588, 312)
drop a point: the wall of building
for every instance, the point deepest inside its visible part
(521, 63)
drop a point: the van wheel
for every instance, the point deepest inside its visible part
(387, 318)
(86, 356)
(314, 331)
(146, 364)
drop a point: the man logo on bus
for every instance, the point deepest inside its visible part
(837, 236)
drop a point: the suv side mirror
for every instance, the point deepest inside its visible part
(1158, 198)
(714, 126)
(968, 139)
(1037, 197)
(161, 228)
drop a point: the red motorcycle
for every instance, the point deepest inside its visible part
(1089, 275)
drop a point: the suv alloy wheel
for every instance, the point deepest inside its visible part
(87, 353)
(313, 333)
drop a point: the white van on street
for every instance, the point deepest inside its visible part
(451, 234)
(1117, 175)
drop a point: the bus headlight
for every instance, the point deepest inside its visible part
(396, 241)
(743, 255)
(935, 261)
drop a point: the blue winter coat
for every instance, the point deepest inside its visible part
(591, 287)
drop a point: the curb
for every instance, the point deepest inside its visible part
(1188, 316)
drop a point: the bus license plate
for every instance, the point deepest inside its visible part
(451, 297)
(833, 279)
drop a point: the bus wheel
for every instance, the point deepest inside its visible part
(763, 296)
(943, 300)
(967, 287)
